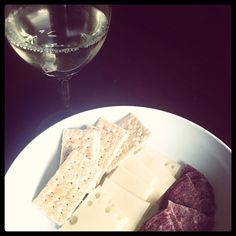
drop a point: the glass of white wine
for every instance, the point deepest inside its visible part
(57, 39)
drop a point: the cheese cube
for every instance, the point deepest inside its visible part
(164, 177)
(98, 212)
(134, 184)
(151, 157)
(138, 168)
(165, 180)
(133, 207)
(149, 172)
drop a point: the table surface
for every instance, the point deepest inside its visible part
(175, 58)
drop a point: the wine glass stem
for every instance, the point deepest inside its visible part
(65, 92)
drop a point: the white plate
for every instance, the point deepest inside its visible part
(179, 138)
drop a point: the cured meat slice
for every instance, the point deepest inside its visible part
(189, 219)
(187, 168)
(160, 222)
(177, 217)
(193, 190)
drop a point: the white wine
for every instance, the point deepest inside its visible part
(59, 39)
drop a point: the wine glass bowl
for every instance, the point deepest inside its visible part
(57, 39)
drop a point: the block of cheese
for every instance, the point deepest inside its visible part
(137, 167)
(147, 172)
(141, 188)
(98, 212)
(151, 157)
(133, 207)
(164, 177)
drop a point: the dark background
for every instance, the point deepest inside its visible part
(175, 58)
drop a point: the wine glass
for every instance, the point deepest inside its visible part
(57, 39)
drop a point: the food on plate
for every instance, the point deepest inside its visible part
(112, 138)
(75, 139)
(82, 166)
(140, 179)
(140, 187)
(75, 177)
(188, 205)
(98, 212)
(138, 134)
(133, 207)
(193, 190)
(134, 189)
(109, 180)
(176, 217)
(153, 158)
(157, 170)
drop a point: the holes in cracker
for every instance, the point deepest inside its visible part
(73, 219)
(107, 209)
(97, 195)
(89, 203)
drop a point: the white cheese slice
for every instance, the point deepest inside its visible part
(133, 207)
(162, 174)
(165, 180)
(137, 167)
(98, 212)
(136, 185)
(151, 157)
(149, 171)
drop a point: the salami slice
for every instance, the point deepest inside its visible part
(160, 222)
(189, 219)
(193, 190)
(177, 217)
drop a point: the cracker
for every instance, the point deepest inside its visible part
(73, 139)
(112, 138)
(138, 134)
(76, 176)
